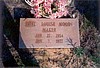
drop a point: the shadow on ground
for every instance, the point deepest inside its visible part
(11, 30)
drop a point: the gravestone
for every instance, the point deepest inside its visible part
(49, 33)
(34, 32)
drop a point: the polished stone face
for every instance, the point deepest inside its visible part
(49, 33)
